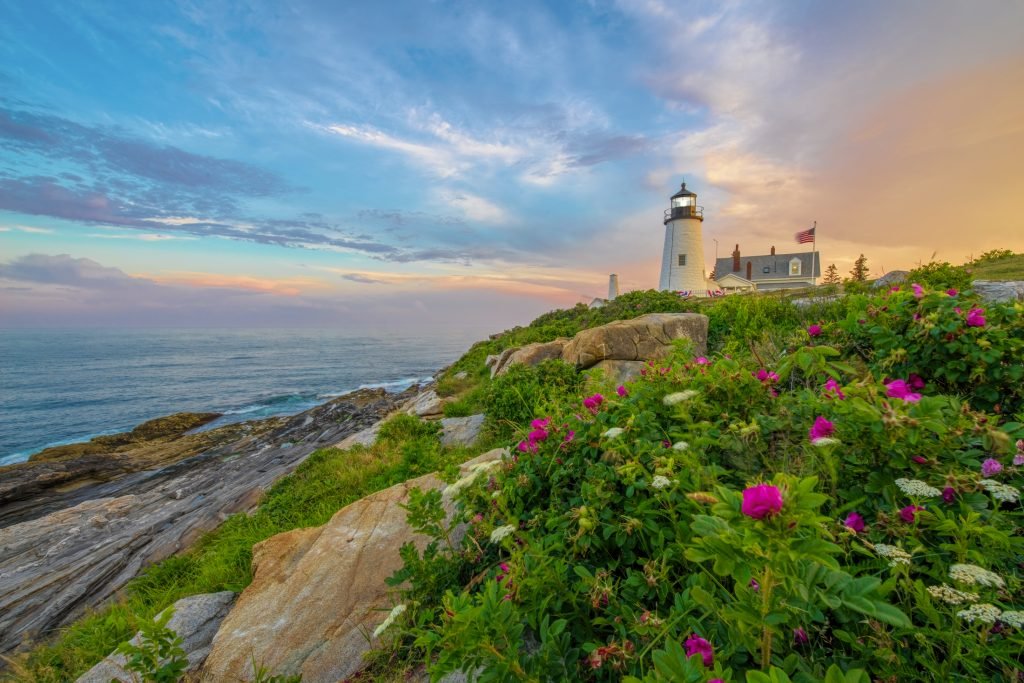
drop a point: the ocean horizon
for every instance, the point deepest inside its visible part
(63, 386)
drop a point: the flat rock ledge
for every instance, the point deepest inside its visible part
(196, 620)
(318, 594)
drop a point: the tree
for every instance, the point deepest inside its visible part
(831, 275)
(860, 269)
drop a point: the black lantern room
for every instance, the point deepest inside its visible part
(683, 204)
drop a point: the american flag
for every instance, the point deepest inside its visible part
(805, 236)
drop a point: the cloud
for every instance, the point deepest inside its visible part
(27, 229)
(361, 279)
(63, 269)
(474, 208)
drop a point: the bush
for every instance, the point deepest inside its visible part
(522, 393)
(942, 275)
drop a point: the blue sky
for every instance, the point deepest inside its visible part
(407, 162)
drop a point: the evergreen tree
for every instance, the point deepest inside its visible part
(831, 275)
(860, 269)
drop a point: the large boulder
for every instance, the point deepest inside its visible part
(461, 431)
(620, 371)
(893, 277)
(317, 593)
(648, 337)
(996, 291)
(426, 404)
(196, 619)
(531, 354)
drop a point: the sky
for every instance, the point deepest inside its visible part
(394, 164)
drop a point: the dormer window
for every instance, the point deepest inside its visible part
(794, 266)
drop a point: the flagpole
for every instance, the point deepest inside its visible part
(814, 252)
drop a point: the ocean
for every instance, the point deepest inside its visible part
(64, 386)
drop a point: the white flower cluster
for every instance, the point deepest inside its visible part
(1000, 491)
(894, 554)
(474, 471)
(659, 482)
(917, 488)
(501, 532)
(680, 446)
(679, 397)
(1014, 618)
(950, 595)
(982, 612)
(613, 432)
(972, 574)
(823, 441)
(395, 613)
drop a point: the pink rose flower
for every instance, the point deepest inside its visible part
(976, 317)
(908, 513)
(952, 292)
(814, 330)
(541, 423)
(948, 495)
(622, 391)
(822, 429)
(695, 645)
(800, 637)
(833, 390)
(761, 501)
(854, 522)
(593, 403)
(701, 360)
(991, 467)
(899, 389)
(918, 290)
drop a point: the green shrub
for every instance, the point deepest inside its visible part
(523, 392)
(404, 427)
(938, 275)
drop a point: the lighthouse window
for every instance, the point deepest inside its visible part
(682, 259)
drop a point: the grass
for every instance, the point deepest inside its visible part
(1005, 268)
(221, 560)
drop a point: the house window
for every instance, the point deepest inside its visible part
(794, 267)
(765, 269)
(682, 259)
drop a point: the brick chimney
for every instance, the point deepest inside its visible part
(736, 259)
(773, 251)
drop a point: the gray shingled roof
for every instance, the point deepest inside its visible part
(778, 266)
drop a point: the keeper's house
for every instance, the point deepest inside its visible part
(773, 271)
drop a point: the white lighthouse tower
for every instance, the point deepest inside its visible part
(682, 261)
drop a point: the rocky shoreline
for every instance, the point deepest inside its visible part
(77, 522)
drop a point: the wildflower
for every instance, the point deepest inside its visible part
(917, 488)
(537, 435)
(899, 389)
(894, 554)
(659, 482)
(541, 423)
(915, 381)
(527, 447)
(613, 432)
(948, 495)
(952, 292)
(395, 613)
(919, 459)
(1004, 493)
(800, 637)
(814, 331)
(761, 501)
(680, 446)
(622, 391)
(950, 595)
(679, 397)
(593, 403)
(701, 360)
(918, 290)
(975, 575)
(569, 436)
(983, 612)
(1013, 618)
(754, 585)
(854, 522)
(822, 428)
(991, 467)
(825, 441)
(1018, 460)
(500, 532)
(894, 288)
(976, 317)
(695, 645)
(909, 513)
(765, 376)
(833, 390)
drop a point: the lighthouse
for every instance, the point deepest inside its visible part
(682, 261)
